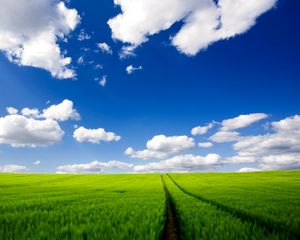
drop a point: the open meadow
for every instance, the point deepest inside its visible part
(261, 205)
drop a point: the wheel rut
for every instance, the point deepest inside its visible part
(171, 228)
(269, 227)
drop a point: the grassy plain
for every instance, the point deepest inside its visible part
(262, 205)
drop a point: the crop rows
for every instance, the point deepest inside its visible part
(150, 206)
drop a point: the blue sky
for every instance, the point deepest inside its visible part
(243, 71)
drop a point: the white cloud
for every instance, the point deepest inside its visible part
(36, 162)
(204, 21)
(30, 112)
(80, 60)
(82, 134)
(62, 111)
(30, 30)
(105, 48)
(205, 144)
(161, 146)
(82, 36)
(130, 69)
(11, 110)
(102, 81)
(11, 168)
(181, 163)
(127, 51)
(225, 136)
(277, 150)
(93, 167)
(20, 131)
(247, 169)
(200, 130)
(242, 121)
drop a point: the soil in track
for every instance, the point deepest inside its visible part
(171, 228)
(269, 227)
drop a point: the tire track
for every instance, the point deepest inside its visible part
(269, 226)
(171, 228)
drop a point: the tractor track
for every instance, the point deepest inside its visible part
(171, 229)
(269, 227)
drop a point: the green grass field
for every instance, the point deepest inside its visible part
(262, 205)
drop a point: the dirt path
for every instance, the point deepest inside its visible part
(269, 227)
(171, 228)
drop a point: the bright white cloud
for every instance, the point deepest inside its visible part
(247, 169)
(181, 163)
(277, 150)
(204, 21)
(11, 168)
(11, 110)
(105, 48)
(93, 167)
(30, 112)
(205, 144)
(62, 111)
(242, 121)
(161, 146)
(225, 136)
(30, 31)
(200, 130)
(102, 81)
(20, 131)
(82, 134)
(130, 69)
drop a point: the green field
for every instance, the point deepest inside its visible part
(261, 205)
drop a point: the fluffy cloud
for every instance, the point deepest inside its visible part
(225, 136)
(30, 31)
(11, 110)
(20, 131)
(31, 112)
(204, 21)
(205, 144)
(247, 169)
(11, 168)
(242, 121)
(62, 111)
(82, 134)
(161, 146)
(181, 163)
(277, 150)
(200, 130)
(130, 69)
(93, 167)
(102, 81)
(105, 48)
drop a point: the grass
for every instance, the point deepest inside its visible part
(262, 205)
(81, 206)
(269, 197)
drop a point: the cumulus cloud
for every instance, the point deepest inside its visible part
(224, 136)
(181, 163)
(105, 48)
(30, 112)
(62, 111)
(93, 167)
(200, 130)
(279, 149)
(20, 131)
(247, 169)
(205, 144)
(130, 69)
(82, 134)
(102, 81)
(11, 168)
(11, 110)
(242, 121)
(161, 146)
(30, 31)
(204, 21)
